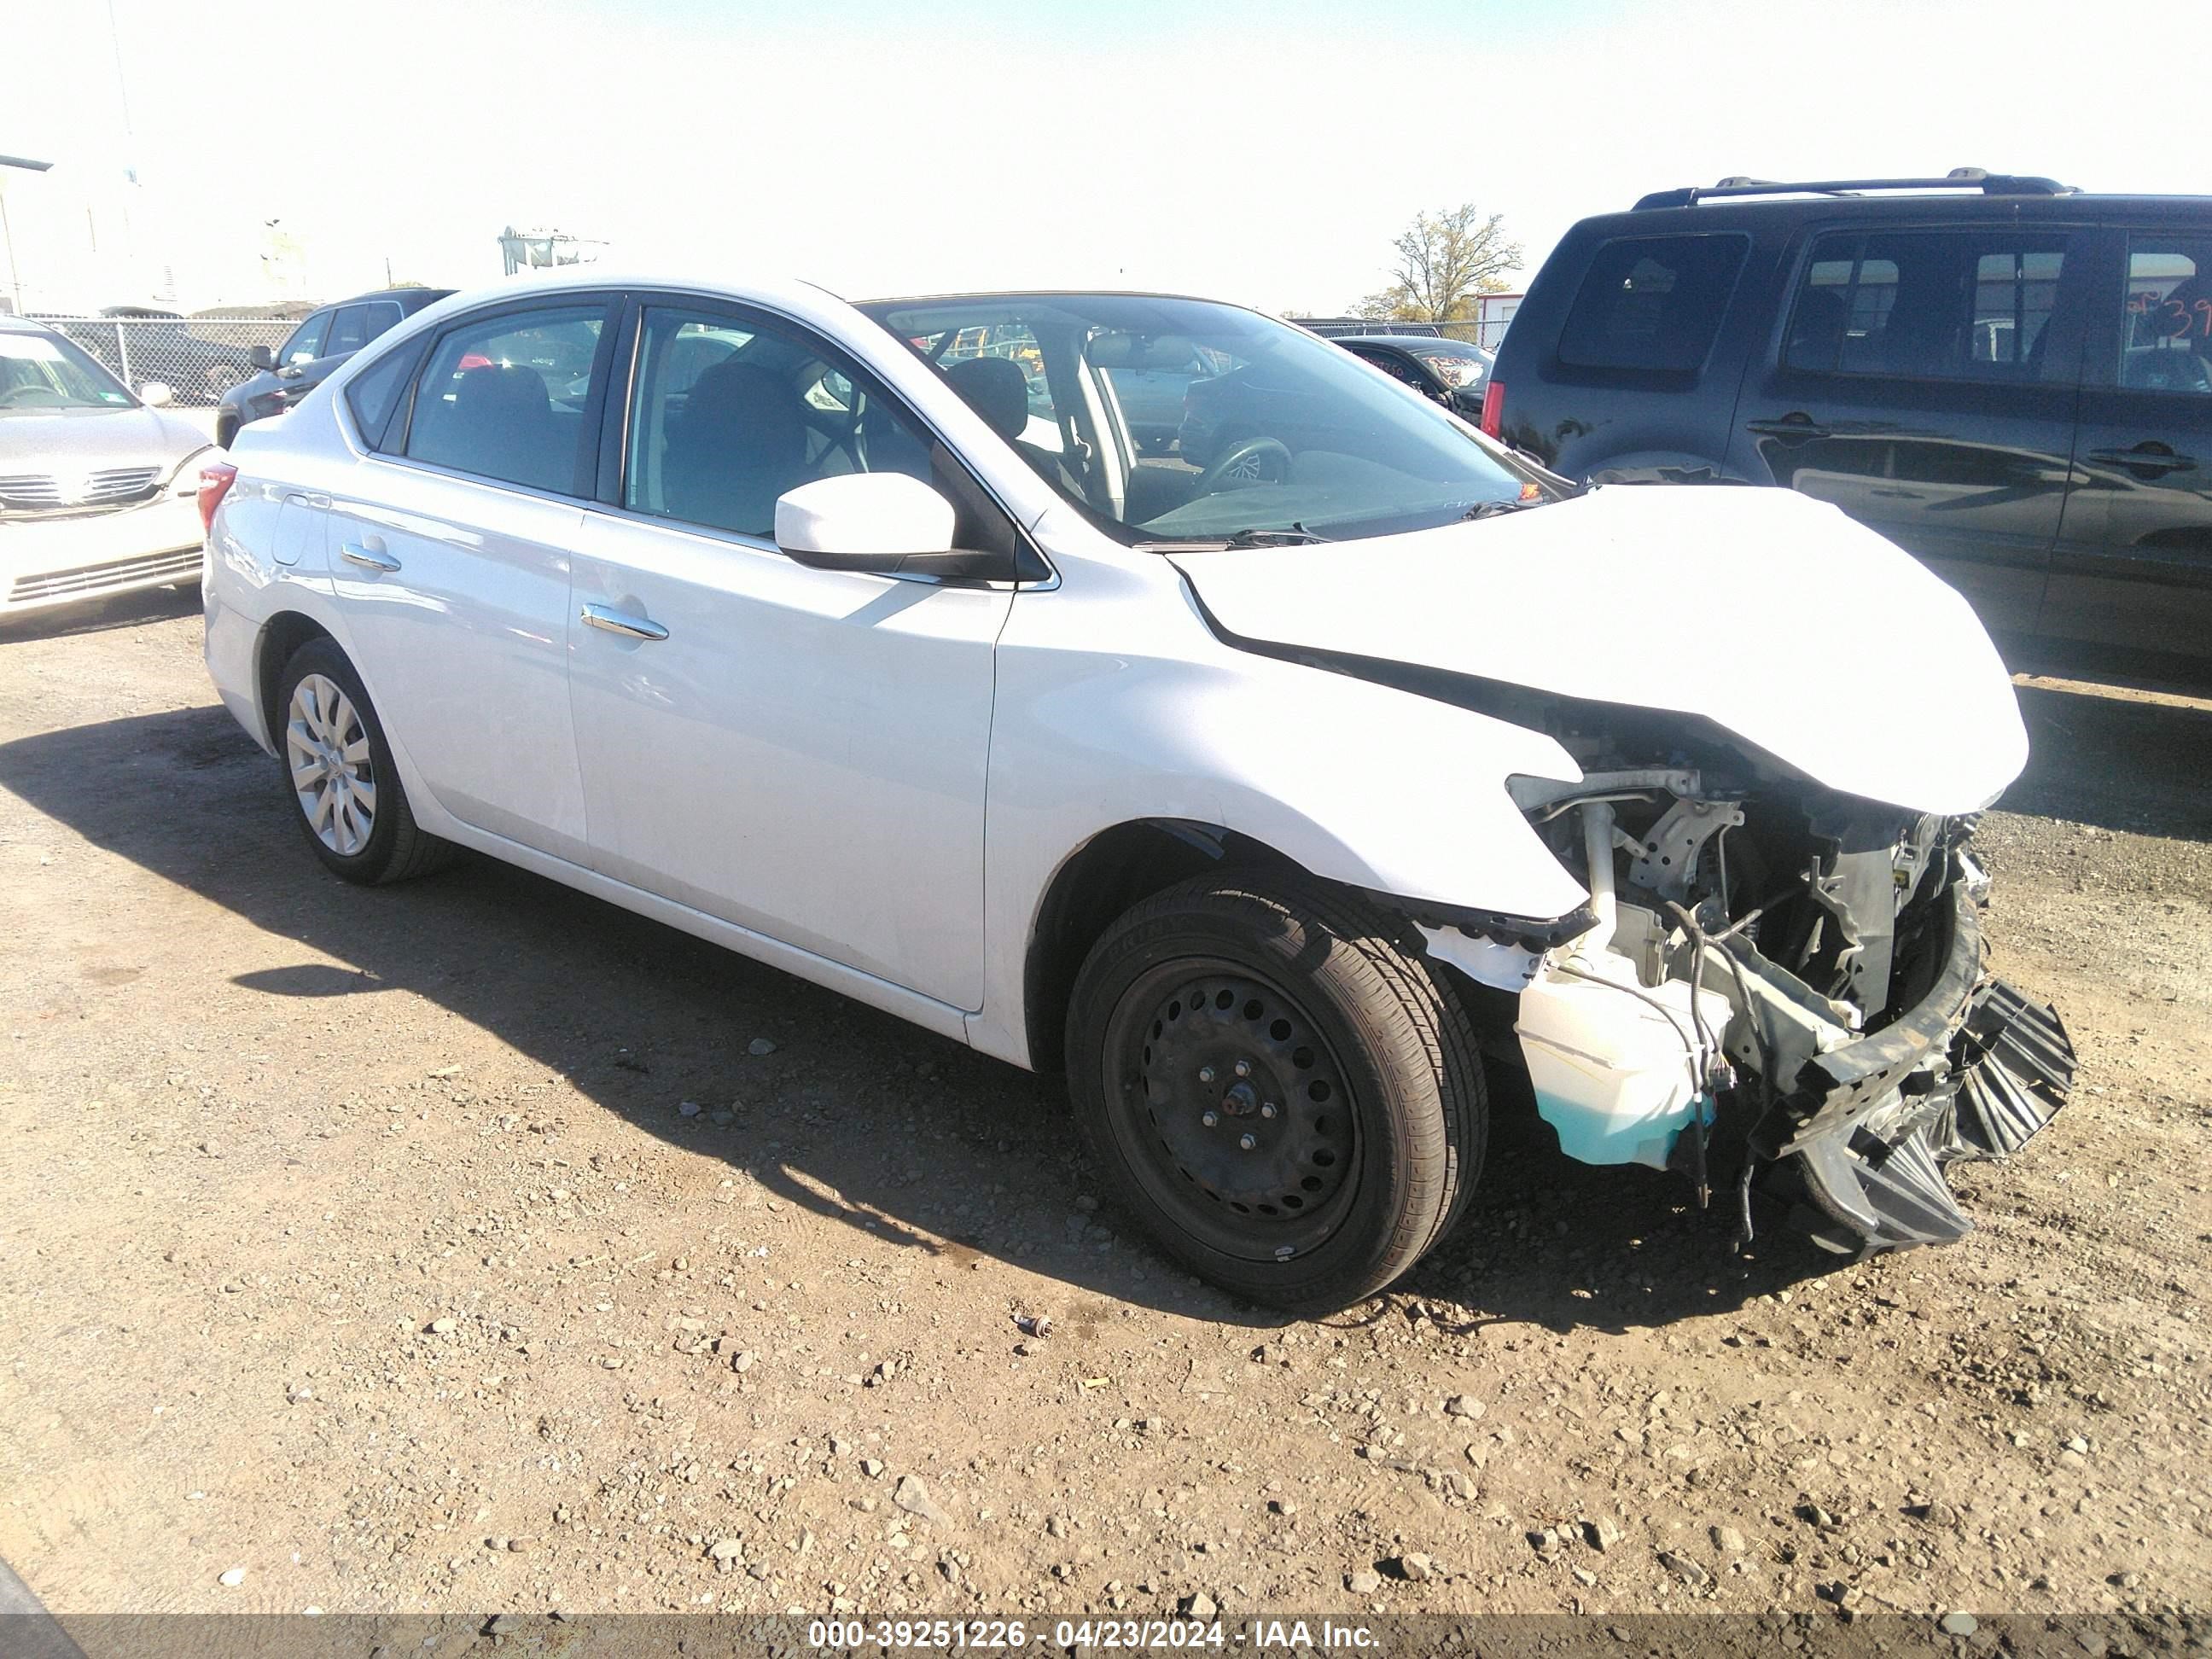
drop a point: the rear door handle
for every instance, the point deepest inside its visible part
(618, 622)
(355, 553)
(2146, 456)
(1789, 427)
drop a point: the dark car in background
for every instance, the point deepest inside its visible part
(137, 343)
(323, 339)
(2009, 379)
(1452, 372)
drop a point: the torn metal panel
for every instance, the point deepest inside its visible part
(1760, 952)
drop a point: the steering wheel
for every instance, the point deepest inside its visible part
(28, 389)
(1254, 461)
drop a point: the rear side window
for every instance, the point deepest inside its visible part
(1926, 305)
(2166, 333)
(374, 393)
(504, 397)
(1652, 303)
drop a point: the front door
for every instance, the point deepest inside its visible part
(800, 753)
(452, 567)
(2136, 566)
(1924, 381)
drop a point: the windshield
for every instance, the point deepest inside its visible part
(39, 374)
(1168, 420)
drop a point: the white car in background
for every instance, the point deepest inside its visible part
(96, 485)
(1271, 799)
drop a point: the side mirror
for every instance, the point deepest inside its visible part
(262, 357)
(881, 524)
(154, 393)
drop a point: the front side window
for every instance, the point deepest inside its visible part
(1652, 303)
(307, 342)
(1946, 305)
(504, 397)
(1184, 420)
(729, 414)
(2165, 334)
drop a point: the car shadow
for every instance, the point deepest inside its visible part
(148, 605)
(2116, 758)
(855, 1116)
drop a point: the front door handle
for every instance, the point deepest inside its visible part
(355, 553)
(618, 622)
(2147, 457)
(1792, 427)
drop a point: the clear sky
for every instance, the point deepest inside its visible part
(1264, 152)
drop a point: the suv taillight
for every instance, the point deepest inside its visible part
(1493, 408)
(215, 480)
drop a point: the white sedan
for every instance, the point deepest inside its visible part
(1271, 781)
(96, 485)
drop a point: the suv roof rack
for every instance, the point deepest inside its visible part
(1975, 178)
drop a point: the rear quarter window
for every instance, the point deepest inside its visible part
(1652, 303)
(375, 393)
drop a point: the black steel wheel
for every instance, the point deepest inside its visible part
(1277, 1085)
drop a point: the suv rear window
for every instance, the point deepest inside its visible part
(1652, 302)
(1940, 304)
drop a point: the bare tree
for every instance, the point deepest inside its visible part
(1445, 259)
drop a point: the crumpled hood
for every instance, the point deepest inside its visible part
(1771, 615)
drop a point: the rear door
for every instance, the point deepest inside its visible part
(451, 558)
(2135, 566)
(1923, 380)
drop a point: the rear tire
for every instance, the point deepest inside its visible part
(1277, 1082)
(339, 774)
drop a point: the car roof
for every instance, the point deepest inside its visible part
(21, 325)
(1451, 347)
(411, 298)
(1968, 192)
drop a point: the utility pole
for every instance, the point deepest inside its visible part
(7, 232)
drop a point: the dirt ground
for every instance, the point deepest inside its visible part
(465, 1245)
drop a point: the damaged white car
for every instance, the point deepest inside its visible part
(1272, 780)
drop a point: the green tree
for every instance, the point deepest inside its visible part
(1445, 259)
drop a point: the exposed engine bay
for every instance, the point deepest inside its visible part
(1774, 986)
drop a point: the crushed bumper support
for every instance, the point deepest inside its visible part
(1973, 1071)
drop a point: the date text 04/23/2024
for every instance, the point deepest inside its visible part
(1260, 1635)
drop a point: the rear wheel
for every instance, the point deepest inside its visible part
(1277, 1085)
(338, 771)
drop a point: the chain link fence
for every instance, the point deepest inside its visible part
(197, 358)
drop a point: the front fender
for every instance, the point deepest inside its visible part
(1358, 783)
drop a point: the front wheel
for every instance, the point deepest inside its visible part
(339, 773)
(1278, 1085)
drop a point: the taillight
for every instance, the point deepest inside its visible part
(1493, 408)
(215, 480)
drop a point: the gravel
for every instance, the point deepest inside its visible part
(454, 1098)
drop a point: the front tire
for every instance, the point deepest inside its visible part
(339, 773)
(1278, 1084)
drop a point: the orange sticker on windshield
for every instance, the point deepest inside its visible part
(1532, 492)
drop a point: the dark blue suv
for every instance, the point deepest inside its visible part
(2009, 379)
(321, 341)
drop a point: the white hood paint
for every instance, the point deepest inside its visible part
(1771, 615)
